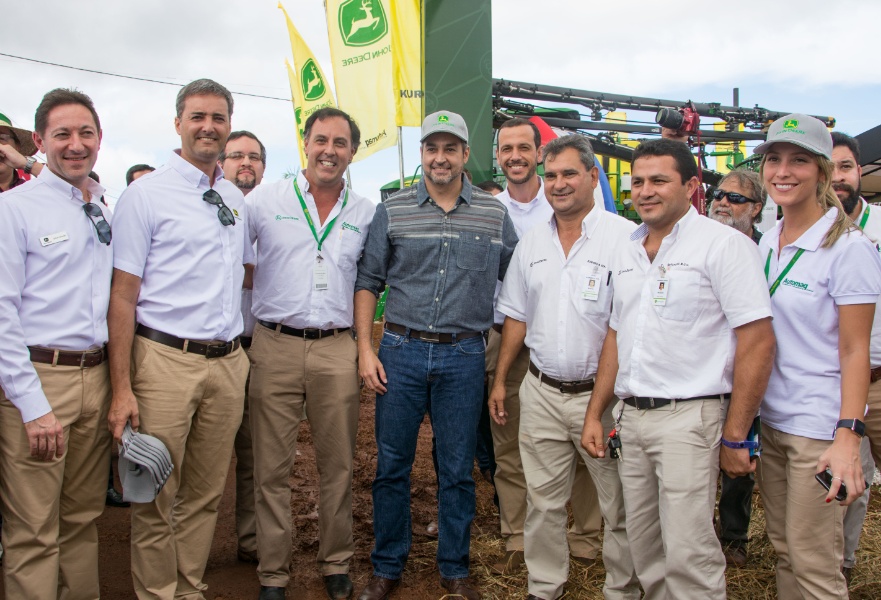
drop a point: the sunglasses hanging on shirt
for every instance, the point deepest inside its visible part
(732, 197)
(223, 212)
(102, 227)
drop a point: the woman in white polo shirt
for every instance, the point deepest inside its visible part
(824, 278)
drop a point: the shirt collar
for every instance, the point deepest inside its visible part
(191, 173)
(422, 191)
(67, 190)
(863, 205)
(812, 238)
(304, 186)
(643, 229)
(588, 224)
(526, 206)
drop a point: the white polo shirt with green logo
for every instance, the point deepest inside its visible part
(870, 220)
(804, 392)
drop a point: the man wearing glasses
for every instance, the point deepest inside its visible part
(57, 260)
(738, 202)
(177, 367)
(309, 232)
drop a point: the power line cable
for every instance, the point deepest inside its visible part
(43, 62)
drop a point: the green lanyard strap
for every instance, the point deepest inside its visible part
(865, 217)
(785, 271)
(309, 218)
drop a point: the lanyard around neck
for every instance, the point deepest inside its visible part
(309, 218)
(865, 218)
(780, 277)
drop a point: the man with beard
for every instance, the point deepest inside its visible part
(441, 246)
(846, 183)
(309, 232)
(519, 152)
(243, 161)
(738, 201)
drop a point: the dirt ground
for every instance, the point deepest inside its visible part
(229, 579)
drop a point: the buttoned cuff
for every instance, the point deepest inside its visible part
(32, 406)
(855, 299)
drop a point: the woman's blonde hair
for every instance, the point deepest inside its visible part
(827, 198)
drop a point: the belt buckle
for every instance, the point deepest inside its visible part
(429, 337)
(652, 402)
(312, 334)
(567, 384)
(216, 350)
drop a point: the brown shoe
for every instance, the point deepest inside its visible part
(488, 477)
(460, 587)
(248, 556)
(512, 561)
(848, 574)
(735, 555)
(583, 561)
(379, 588)
(431, 530)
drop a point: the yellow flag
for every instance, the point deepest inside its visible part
(309, 88)
(361, 48)
(298, 110)
(407, 61)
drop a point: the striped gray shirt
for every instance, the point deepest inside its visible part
(441, 268)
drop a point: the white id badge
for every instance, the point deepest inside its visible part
(48, 240)
(660, 287)
(591, 287)
(319, 276)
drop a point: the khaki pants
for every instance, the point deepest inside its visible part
(807, 533)
(670, 475)
(584, 537)
(49, 508)
(194, 406)
(286, 372)
(246, 519)
(551, 423)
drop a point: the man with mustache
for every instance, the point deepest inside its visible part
(177, 367)
(243, 161)
(309, 232)
(441, 246)
(519, 152)
(846, 183)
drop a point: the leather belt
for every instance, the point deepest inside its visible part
(309, 334)
(83, 360)
(566, 387)
(211, 350)
(641, 403)
(875, 374)
(431, 337)
(497, 327)
(246, 341)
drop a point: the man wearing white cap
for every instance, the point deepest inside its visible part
(440, 245)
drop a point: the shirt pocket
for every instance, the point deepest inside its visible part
(473, 253)
(587, 306)
(682, 297)
(348, 248)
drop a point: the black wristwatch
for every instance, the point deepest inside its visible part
(855, 425)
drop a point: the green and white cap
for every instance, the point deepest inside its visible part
(444, 121)
(24, 137)
(801, 130)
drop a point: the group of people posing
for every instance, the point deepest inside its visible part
(620, 366)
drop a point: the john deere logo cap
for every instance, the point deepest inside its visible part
(311, 81)
(362, 22)
(445, 121)
(808, 132)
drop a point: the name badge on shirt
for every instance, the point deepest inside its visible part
(319, 276)
(659, 291)
(48, 240)
(591, 287)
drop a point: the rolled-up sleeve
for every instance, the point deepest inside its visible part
(373, 266)
(19, 380)
(132, 232)
(509, 242)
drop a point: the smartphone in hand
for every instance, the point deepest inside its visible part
(825, 479)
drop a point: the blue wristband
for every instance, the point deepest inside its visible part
(741, 445)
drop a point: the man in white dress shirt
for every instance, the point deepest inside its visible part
(519, 152)
(177, 366)
(56, 262)
(691, 343)
(309, 231)
(557, 297)
(243, 161)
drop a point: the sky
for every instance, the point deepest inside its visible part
(816, 60)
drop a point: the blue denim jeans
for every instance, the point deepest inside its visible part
(447, 381)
